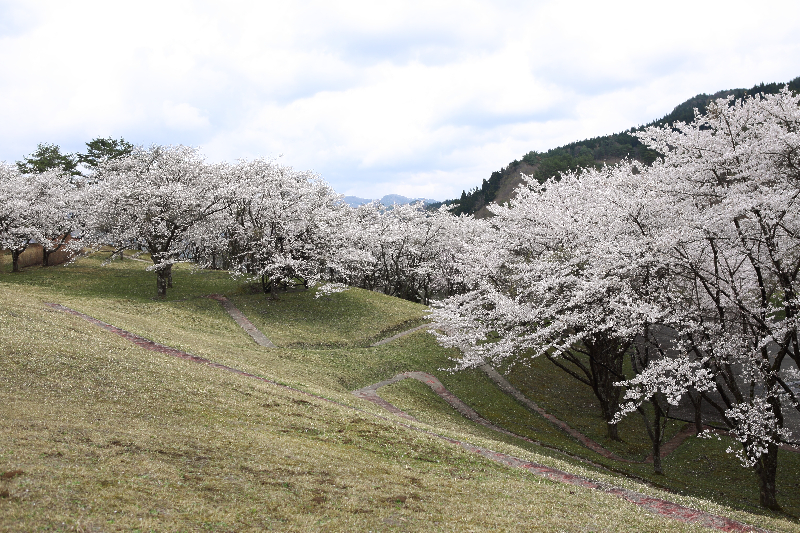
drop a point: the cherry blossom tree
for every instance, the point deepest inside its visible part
(35, 208)
(281, 227)
(408, 251)
(58, 202)
(556, 276)
(731, 245)
(17, 225)
(153, 199)
(697, 255)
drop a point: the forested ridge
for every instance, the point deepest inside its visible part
(590, 152)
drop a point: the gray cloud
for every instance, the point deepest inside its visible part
(423, 99)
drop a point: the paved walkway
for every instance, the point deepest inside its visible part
(655, 505)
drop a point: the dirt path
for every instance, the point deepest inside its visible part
(655, 505)
(242, 320)
(370, 393)
(508, 388)
(667, 448)
(135, 257)
(401, 334)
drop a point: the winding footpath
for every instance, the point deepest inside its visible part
(656, 505)
(369, 393)
(508, 388)
(401, 334)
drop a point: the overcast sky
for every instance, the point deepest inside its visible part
(422, 98)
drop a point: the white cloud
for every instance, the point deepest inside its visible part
(420, 98)
(183, 116)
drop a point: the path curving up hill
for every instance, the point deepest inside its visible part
(655, 505)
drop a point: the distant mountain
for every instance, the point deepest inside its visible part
(607, 149)
(355, 201)
(389, 199)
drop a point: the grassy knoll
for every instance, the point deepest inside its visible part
(97, 434)
(355, 318)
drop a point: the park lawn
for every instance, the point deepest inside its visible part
(354, 318)
(96, 276)
(561, 395)
(565, 398)
(98, 425)
(98, 434)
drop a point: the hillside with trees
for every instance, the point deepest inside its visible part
(666, 291)
(589, 152)
(689, 266)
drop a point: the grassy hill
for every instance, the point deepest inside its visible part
(98, 434)
(596, 151)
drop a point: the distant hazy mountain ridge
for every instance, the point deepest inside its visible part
(389, 199)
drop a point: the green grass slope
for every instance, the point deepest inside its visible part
(97, 434)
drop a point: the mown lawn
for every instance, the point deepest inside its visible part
(354, 318)
(98, 434)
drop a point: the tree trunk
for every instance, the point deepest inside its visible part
(697, 403)
(655, 431)
(609, 408)
(268, 286)
(766, 468)
(15, 260)
(162, 280)
(605, 362)
(657, 468)
(46, 253)
(613, 431)
(657, 438)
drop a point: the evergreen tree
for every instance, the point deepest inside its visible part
(48, 157)
(101, 149)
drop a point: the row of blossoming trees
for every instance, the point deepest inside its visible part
(255, 218)
(688, 268)
(691, 265)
